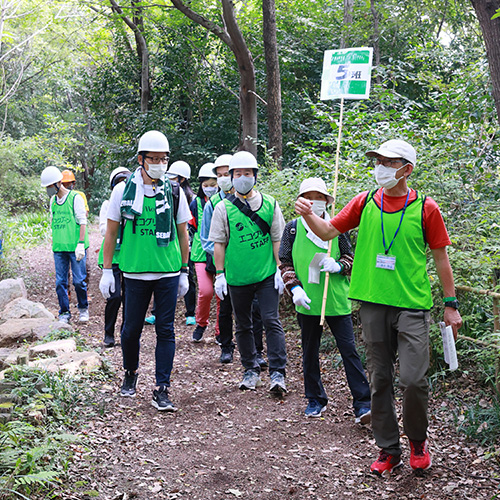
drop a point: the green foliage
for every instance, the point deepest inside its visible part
(481, 421)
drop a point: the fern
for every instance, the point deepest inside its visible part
(42, 477)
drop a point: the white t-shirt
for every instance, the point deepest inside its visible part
(114, 214)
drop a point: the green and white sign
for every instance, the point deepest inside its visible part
(347, 73)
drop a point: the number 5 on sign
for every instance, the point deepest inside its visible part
(346, 75)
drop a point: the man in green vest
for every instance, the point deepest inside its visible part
(70, 241)
(153, 258)
(390, 279)
(246, 230)
(299, 246)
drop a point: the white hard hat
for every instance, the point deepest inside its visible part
(207, 170)
(119, 170)
(153, 141)
(243, 159)
(179, 168)
(50, 175)
(221, 161)
(395, 148)
(315, 184)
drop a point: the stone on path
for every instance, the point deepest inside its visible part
(52, 349)
(23, 308)
(11, 289)
(17, 330)
(70, 362)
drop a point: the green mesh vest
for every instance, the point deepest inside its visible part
(100, 257)
(197, 252)
(406, 286)
(249, 253)
(65, 228)
(337, 303)
(139, 251)
(216, 198)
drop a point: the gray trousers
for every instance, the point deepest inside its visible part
(386, 331)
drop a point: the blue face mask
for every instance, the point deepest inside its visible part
(243, 184)
(210, 191)
(52, 190)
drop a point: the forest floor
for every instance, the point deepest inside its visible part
(227, 444)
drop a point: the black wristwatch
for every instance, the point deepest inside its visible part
(451, 303)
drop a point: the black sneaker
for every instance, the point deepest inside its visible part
(160, 400)
(198, 333)
(109, 341)
(226, 356)
(261, 361)
(129, 383)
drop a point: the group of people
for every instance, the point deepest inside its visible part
(242, 251)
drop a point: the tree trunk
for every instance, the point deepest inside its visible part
(485, 9)
(273, 80)
(248, 100)
(348, 7)
(376, 36)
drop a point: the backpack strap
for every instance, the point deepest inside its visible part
(293, 232)
(175, 196)
(246, 210)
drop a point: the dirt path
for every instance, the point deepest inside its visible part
(228, 444)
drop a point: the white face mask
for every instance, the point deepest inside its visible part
(386, 176)
(210, 191)
(318, 207)
(225, 183)
(156, 170)
(244, 184)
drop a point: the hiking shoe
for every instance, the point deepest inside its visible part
(250, 381)
(129, 383)
(161, 401)
(150, 320)
(217, 340)
(385, 463)
(278, 385)
(363, 416)
(109, 341)
(64, 317)
(198, 333)
(226, 356)
(84, 315)
(190, 320)
(261, 361)
(314, 408)
(420, 458)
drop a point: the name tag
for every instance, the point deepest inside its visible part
(386, 262)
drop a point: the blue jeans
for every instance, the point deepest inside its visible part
(268, 297)
(341, 327)
(137, 298)
(62, 261)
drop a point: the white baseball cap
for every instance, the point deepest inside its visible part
(395, 148)
(315, 184)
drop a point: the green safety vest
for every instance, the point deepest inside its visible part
(116, 255)
(65, 228)
(197, 252)
(249, 253)
(406, 286)
(303, 251)
(215, 198)
(139, 252)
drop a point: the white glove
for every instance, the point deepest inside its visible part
(330, 265)
(221, 286)
(183, 285)
(107, 283)
(80, 251)
(300, 297)
(278, 282)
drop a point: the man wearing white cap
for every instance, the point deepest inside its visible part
(299, 245)
(246, 230)
(390, 279)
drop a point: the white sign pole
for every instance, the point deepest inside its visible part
(346, 75)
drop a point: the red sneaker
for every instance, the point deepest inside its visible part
(420, 458)
(385, 462)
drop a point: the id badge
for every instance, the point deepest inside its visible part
(386, 262)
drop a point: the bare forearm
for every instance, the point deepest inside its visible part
(183, 241)
(110, 243)
(276, 250)
(219, 256)
(83, 227)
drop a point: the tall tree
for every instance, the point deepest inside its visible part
(273, 80)
(485, 11)
(136, 24)
(231, 35)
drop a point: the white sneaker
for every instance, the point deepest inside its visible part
(64, 317)
(84, 315)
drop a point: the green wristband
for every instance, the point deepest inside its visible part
(449, 299)
(219, 272)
